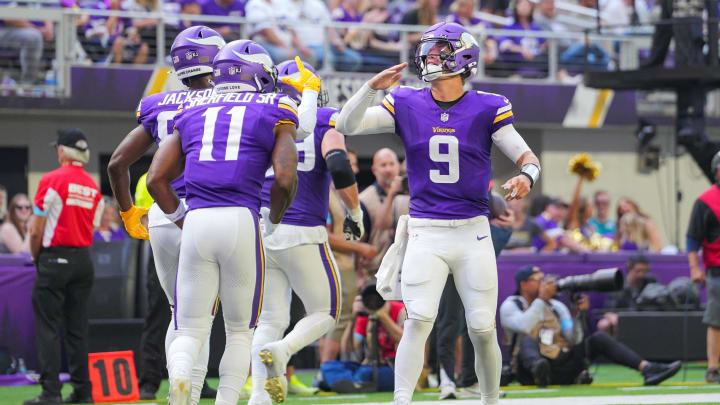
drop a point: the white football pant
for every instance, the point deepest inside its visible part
(435, 248)
(165, 243)
(310, 270)
(221, 255)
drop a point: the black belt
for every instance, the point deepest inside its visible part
(713, 271)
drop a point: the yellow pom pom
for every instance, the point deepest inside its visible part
(582, 165)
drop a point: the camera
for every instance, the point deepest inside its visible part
(371, 299)
(603, 280)
(405, 185)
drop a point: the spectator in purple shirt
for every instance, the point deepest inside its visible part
(113, 33)
(463, 14)
(234, 8)
(522, 51)
(550, 220)
(109, 229)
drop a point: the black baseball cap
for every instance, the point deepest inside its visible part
(74, 138)
(524, 273)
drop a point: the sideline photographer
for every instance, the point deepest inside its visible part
(372, 336)
(550, 346)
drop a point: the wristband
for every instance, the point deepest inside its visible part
(531, 171)
(179, 213)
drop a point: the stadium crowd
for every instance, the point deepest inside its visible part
(291, 27)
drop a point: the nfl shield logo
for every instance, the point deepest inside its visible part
(444, 117)
(232, 70)
(188, 55)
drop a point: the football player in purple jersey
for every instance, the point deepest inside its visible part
(298, 256)
(224, 143)
(192, 53)
(448, 133)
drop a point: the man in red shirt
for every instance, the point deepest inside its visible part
(67, 208)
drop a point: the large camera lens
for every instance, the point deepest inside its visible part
(604, 280)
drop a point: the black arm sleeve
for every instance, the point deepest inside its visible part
(697, 228)
(338, 164)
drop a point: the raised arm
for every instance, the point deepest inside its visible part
(309, 85)
(167, 165)
(358, 118)
(132, 148)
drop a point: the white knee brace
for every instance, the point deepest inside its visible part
(481, 322)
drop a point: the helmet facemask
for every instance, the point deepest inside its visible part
(432, 57)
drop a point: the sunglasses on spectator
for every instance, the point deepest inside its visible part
(23, 207)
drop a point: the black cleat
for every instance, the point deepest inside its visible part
(541, 372)
(712, 376)
(147, 391)
(208, 392)
(584, 378)
(43, 399)
(76, 398)
(655, 373)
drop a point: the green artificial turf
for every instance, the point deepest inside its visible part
(609, 380)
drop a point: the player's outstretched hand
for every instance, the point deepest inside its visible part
(386, 78)
(307, 79)
(517, 187)
(133, 226)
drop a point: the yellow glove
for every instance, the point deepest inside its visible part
(307, 79)
(133, 226)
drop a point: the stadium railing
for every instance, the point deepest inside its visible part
(68, 46)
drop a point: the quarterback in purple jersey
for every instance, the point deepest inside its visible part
(448, 133)
(297, 253)
(224, 143)
(192, 53)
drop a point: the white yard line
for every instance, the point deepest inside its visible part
(603, 400)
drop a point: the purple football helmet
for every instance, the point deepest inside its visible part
(193, 51)
(244, 65)
(446, 49)
(289, 69)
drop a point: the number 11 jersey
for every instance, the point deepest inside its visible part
(447, 151)
(228, 141)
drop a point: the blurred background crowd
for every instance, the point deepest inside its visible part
(296, 27)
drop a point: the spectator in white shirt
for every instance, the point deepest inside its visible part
(268, 21)
(313, 35)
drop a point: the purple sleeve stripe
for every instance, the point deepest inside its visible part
(500, 124)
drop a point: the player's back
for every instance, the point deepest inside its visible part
(447, 150)
(228, 140)
(156, 114)
(310, 206)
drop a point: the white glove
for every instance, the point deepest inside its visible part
(353, 226)
(267, 226)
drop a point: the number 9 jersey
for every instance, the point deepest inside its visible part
(447, 151)
(228, 141)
